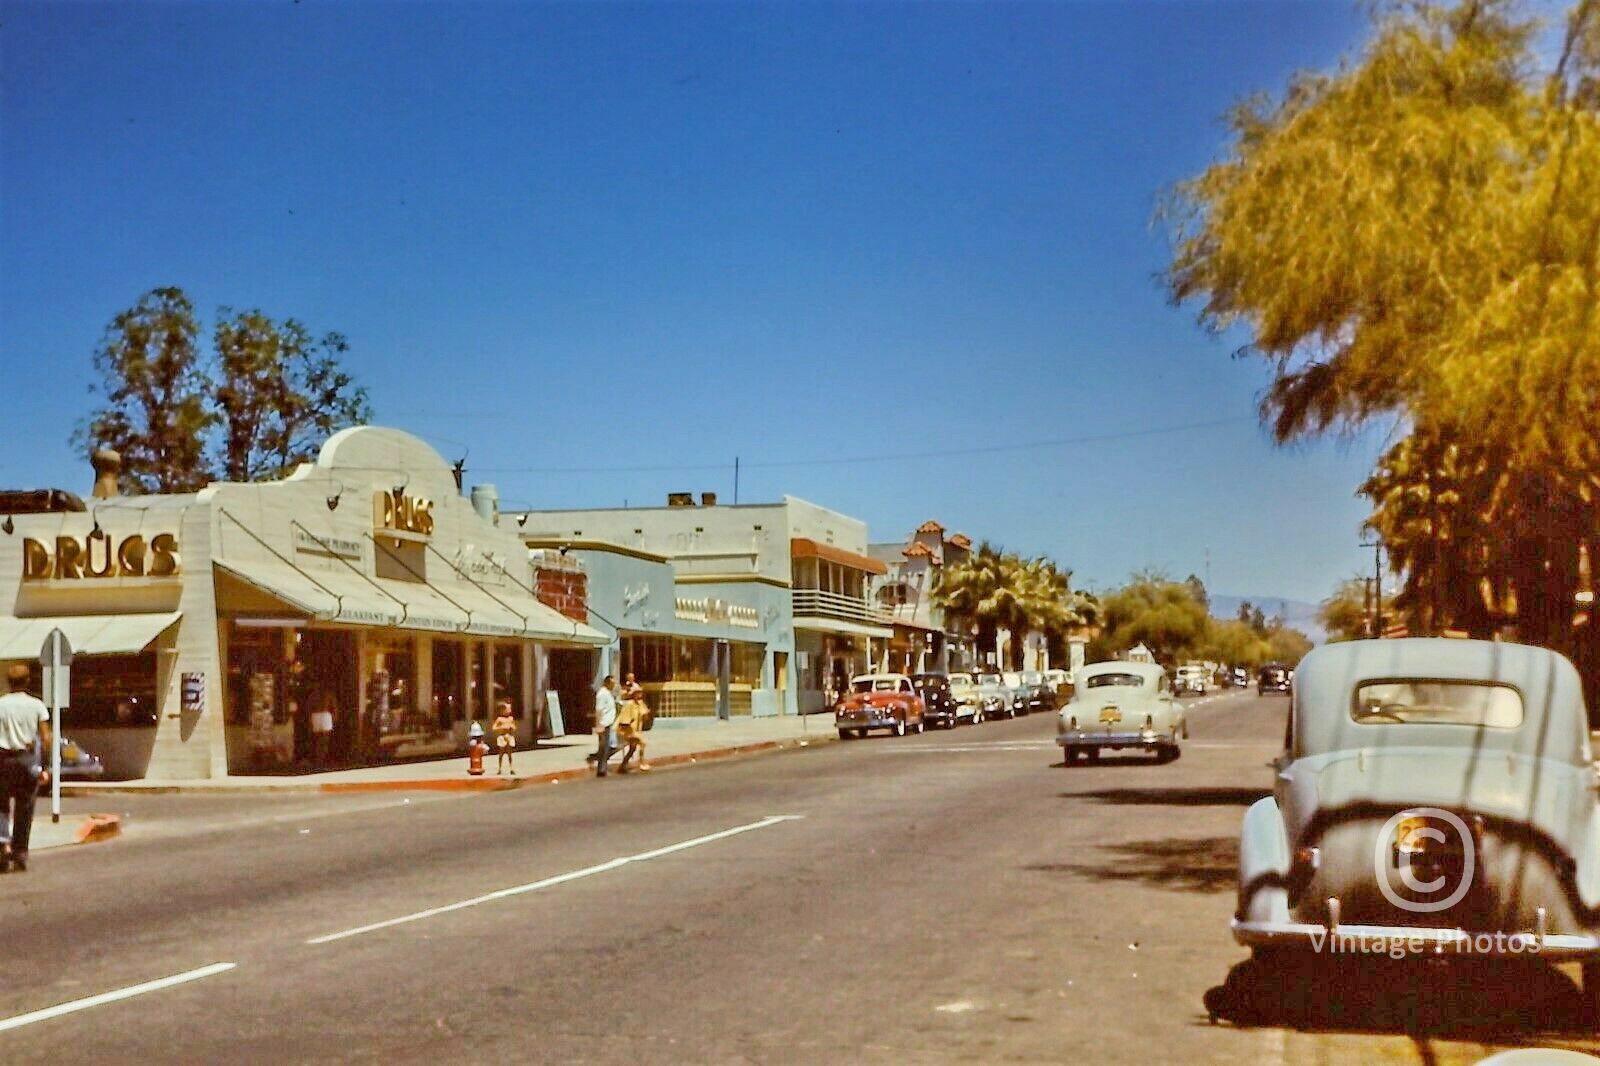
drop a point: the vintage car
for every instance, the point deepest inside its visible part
(1192, 678)
(1018, 688)
(1039, 693)
(1061, 682)
(1274, 677)
(879, 701)
(939, 707)
(1432, 793)
(995, 698)
(969, 707)
(1121, 705)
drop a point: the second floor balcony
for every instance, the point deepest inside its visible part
(815, 603)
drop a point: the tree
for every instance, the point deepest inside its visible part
(155, 392)
(992, 590)
(1347, 614)
(1414, 236)
(1157, 612)
(281, 395)
(263, 402)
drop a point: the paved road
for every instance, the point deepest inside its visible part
(955, 897)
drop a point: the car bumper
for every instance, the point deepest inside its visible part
(940, 717)
(886, 722)
(1148, 741)
(1387, 939)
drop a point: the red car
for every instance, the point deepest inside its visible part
(879, 701)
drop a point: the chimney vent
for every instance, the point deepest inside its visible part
(680, 499)
(107, 464)
(708, 499)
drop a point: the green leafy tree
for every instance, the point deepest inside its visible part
(261, 402)
(281, 394)
(1347, 614)
(155, 393)
(1157, 612)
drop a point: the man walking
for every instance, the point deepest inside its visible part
(605, 723)
(24, 735)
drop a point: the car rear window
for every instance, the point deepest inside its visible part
(1114, 680)
(1419, 702)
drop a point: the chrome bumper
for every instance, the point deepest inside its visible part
(864, 723)
(1415, 940)
(1113, 740)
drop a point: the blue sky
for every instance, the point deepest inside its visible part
(897, 259)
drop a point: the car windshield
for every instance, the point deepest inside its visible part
(990, 679)
(931, 682)
(1032, 677)
(1114, 681)
(873, 684)
(961, 681)
(1437, 703)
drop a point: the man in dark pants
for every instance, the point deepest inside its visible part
(24, 736)
(605, 724)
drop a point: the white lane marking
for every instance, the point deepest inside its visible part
(111, 997)
(559, 879)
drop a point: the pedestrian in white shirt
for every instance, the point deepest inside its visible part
(24, 744)
(605, 723)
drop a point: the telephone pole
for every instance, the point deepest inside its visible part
(1377, 584)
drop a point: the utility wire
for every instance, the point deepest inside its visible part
(894, 457)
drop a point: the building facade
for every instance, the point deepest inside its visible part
(208, 627)
(924, 639)
(776, 594)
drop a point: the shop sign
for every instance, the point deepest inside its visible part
(100, 555)
(718, 612)
(634, 597)
(315, 545)
(395, 512)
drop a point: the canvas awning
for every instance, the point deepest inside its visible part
(806, 548)
(454, 606)
(87, 634)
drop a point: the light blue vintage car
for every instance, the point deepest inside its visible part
(1435, 797)
(1121, 705)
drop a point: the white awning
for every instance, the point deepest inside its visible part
(87, 634)
(454, 606)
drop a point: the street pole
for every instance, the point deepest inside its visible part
(1377, 585)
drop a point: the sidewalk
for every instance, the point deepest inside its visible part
(555, 759)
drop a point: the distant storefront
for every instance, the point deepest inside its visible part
(700, 649)
(209, 627)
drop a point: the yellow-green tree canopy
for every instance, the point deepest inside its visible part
(1418, 232)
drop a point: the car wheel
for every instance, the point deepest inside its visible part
(845, 734)
(922, 726)
(899, 727)
(1093, 755)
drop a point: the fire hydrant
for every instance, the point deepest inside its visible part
(476, 750)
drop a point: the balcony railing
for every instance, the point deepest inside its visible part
(816, 603)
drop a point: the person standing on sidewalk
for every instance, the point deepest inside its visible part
(630, 728)
(24, 734)
(605, 723)
(505, 739)
(322, 728)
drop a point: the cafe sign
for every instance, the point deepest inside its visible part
(100, 555)
(717, 612)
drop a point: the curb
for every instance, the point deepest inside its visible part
(557, 776)
(488, 783)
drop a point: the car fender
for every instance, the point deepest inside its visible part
(1264, 862)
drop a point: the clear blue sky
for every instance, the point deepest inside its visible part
(603, 249)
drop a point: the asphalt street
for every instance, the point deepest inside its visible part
(956, 897)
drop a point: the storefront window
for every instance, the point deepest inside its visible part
(745, 668)
(508, 677)
(448, 665)
(256, 664)
(391, 686)
(477, 684)
(112, 690)
(648, 658)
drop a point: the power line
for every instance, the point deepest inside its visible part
(1097, 438)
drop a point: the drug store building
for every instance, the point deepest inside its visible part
(207, 627)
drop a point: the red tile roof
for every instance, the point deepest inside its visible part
(930, 526)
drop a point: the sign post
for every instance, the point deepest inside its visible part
(55, 657)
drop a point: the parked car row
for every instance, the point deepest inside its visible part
(910, 703)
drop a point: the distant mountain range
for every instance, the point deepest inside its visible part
(1297, 614)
